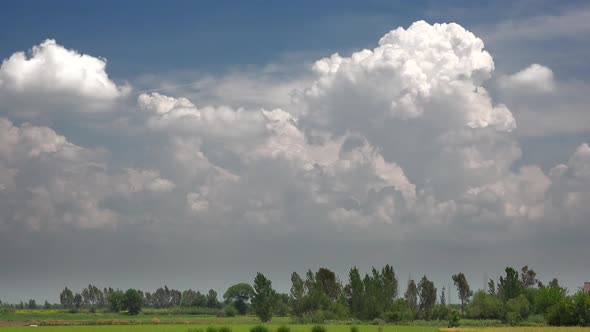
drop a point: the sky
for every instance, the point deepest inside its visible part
(193, 144)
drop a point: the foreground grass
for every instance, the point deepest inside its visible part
(294, 328)
(519, 329)
(235, 328)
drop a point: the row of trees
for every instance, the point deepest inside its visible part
(511, 298)
(164, 297)
(320, 296)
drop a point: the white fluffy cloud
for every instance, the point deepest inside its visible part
(53, 77)
(46, 181)
(531, 80)
(544, 105)
(399, 139)
(424, 73)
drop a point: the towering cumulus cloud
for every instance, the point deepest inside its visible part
(401, 141)
(53, 77)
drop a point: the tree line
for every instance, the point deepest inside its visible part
(319, 296)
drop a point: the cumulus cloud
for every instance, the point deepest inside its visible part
(46, 181)
(570, 191)
(51, 76)
(544, 105)
(401, 141)
(408, 76)
(533, 79)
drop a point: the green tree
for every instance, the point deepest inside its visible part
(517, 309)
(115, 300)
(427, 295)
(132, 301)
(443, 299)
(411, 296)
(548, 296)
(212, 301)
(32, 304)
(78, 300)
(528, 277)
(463, 289)
(390, 285)
(328, 283)
(510, 286)
(491, 287)
(66, 298)
(264, 297)
(355, 293)
(239, 295)
(571, 311)
(297, 294)
(485, 306)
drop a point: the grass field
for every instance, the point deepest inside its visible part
(157, 320)
(235, 328)
(272, 328)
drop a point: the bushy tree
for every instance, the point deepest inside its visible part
(263, 298)
(78, 300)
(116, 300)
(66, 298)
(547, 296)
(212, 301)
(239, 295)
(132, 301)
(571, 311)
(510, 286)
(328, 283)
(427, 298)
(485, 306)
(517, 309)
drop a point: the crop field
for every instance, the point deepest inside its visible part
(272, 328)
(235, 328)
(519, 329)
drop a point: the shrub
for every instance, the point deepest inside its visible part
(517, 309)
(454, 317)
(378, 321)
(354, 328)
(318, 328)
(283, 328)
(225, 329)
(211, 329)
(259, 328)
(230, 311)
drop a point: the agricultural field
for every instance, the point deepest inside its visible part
(273, 328)
(234, 328)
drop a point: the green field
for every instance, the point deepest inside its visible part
(272, 328)
(235, 328)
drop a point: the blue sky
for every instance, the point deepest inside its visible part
(152, 36)
(279, 156)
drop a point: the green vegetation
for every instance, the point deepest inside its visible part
(516, 299)
(259, 328)
(264, 298)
